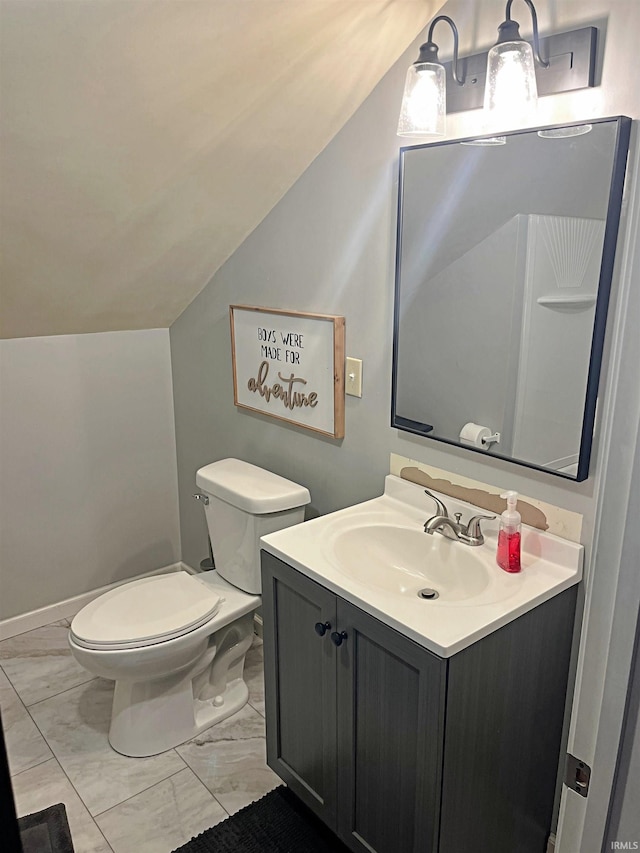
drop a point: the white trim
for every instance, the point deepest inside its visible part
(70, 606)
(612, 590)
(257, 625)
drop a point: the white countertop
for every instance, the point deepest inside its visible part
(444, 626)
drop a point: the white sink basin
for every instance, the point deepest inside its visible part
(377, 556)
(403, 561)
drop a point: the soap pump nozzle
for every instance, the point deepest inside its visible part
(512, 500)
(508, 556)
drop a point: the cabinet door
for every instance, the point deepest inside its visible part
(300, 684)
(505, 711)
(390, 726)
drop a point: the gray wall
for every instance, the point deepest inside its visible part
(88, 484)
(329, 246)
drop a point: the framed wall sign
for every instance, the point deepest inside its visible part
(289, 365)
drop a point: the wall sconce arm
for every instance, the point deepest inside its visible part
(429, 50)
(509, 31)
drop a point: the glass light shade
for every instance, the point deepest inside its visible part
(511, 92)
(565, 132)
(423, 105)
(486, 141)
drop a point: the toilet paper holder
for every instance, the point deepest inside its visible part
(477, 435)
(491, 439)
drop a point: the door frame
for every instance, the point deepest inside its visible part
(612, 587)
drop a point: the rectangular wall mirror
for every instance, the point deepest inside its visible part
(505, 256)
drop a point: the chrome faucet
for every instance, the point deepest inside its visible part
(469, 534)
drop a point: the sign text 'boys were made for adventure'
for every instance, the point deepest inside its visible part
(290, 365)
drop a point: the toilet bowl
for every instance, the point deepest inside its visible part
(175, 644)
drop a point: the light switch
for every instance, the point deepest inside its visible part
(353, 377)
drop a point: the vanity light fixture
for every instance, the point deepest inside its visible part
(424, 101)
(474, 81)
(511, 92)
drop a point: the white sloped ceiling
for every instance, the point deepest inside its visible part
(142, 140)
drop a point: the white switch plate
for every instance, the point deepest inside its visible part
(353, 377)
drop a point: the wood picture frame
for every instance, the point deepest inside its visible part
(289, 365)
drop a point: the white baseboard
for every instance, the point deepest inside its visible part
(70, 606)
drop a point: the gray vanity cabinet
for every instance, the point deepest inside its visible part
(354, 729)
(400, 751)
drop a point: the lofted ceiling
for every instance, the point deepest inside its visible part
(143, 140)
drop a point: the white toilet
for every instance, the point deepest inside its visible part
(175, 644)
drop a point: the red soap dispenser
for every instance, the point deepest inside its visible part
(508, 556)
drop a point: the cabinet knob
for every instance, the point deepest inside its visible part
(338, 638)
(322, 628)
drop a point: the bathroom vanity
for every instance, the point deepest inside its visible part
(399, 721)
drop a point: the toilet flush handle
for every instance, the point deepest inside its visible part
(203, 498)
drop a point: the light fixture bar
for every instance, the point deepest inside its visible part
(571, 57)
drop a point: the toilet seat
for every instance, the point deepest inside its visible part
(145, 612)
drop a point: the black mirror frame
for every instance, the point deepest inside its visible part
(614, 206)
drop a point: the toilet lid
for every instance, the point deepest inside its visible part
(146, 611)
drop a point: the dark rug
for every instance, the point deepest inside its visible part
(278, 823)
(46, 831)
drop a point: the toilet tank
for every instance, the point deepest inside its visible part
(245, 503)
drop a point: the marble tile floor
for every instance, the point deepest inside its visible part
(55, 717)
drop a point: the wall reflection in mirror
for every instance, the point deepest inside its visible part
(504, 266)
